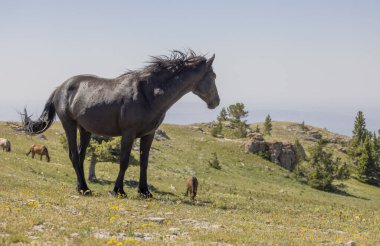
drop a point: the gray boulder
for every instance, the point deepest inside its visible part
(315, 134)
(283, 154)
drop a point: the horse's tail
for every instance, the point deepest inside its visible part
(47, 155)
(9, 146)
(194, 186)
(45, 120)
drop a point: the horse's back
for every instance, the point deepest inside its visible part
(4, 141)
(37, 147)
(97, 104)
(5, 144)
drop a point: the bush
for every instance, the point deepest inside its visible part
(300, 151)
(214, 162)
(237, 111)
(217, 129)
(268, 125)
(222, 115)
(322, 169)
(265, 155)
(240, 130)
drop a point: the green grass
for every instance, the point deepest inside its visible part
(250, 201)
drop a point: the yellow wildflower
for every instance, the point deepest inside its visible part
(112, 241)
(33, 204)
(147, 225)
(131, 241)
(114, 217)
(114, 207)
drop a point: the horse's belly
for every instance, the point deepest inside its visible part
(101, 121)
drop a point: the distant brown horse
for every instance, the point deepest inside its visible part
(40, 150)
(5, 144)
(192, 187)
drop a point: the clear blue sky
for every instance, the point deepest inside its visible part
(313, 56)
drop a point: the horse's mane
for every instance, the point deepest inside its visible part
(174, 62)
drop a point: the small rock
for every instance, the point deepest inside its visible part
(197, 128)
(40, 228)
(351, 243)
(75, 196)
(155, 219)
(145, 236)
(42, 136)
(74, 235)
(315, 134)
(174, 230)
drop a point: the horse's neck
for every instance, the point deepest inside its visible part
(166, 93)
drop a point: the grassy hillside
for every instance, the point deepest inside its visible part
(250, 201)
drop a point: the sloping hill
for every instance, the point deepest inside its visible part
(249, 201)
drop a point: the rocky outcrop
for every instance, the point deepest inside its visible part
(315, 134)
(283, 154)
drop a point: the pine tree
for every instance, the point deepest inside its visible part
(217, 129)
(257, 130)
(366, 162)
(268, 125)
(240, 130)
(236, 111)
(303, 126)
(376, 143)
(322, 164)
(222, 115)
(360, 130)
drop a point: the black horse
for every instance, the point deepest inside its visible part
(132, 105)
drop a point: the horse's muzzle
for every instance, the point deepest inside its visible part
(214, 103)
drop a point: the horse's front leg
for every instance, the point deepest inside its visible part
(145, 144)
(125, 148)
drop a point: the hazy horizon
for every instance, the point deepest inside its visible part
(296, 60)
(184, 113)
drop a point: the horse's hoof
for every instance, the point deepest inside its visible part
(121, 196)
(94, 180)
(85, 192)
(145, 195)
(117, 194)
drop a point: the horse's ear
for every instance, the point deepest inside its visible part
(210, 61)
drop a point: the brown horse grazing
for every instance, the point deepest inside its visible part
(5, 144)
(40, 150)
(192, 187)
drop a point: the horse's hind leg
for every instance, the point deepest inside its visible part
(145, 144)
(126, 147)
(41, 157)
(85, 138)
(71, 135)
